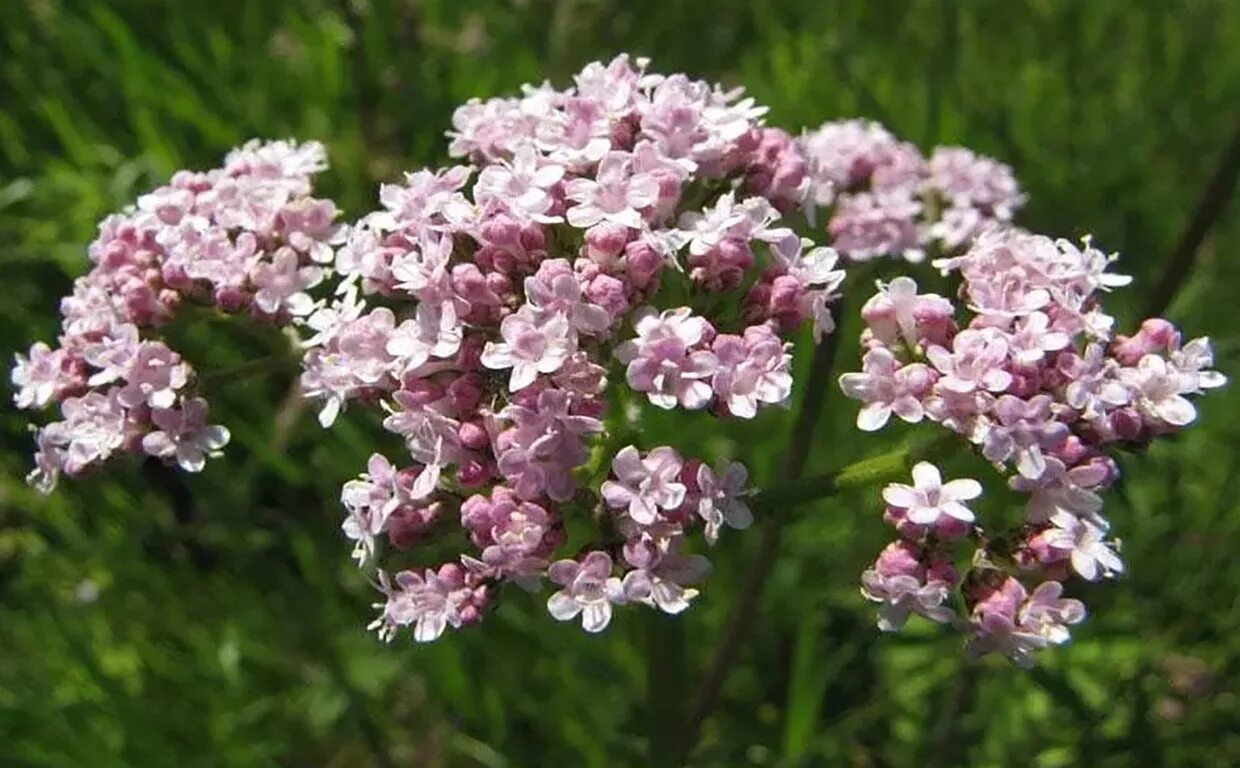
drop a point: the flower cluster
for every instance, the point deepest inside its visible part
(1031, 374)
(247, 237)
(483, 304)
(887, 199)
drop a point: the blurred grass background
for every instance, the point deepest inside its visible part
(155, 619)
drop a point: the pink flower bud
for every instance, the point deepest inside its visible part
(1155, 336)
(472, 473)
(473, 436)
(641, 263)
(605, 242)
(900, 558)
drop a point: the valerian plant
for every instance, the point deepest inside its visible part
(634, 237)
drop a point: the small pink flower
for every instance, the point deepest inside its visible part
(428, 601)
(930, 499)
(664, 361)
(752, 371)
(886, 387)
(1088, 552)
(616, 195)
(522, 185)
(643, 486)
(43, 376)
(533, 343)
(976, 362)
(589, 590)
(184, 435)
(722, 498)
(282, 283)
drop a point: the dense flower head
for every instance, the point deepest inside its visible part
(885, 199)
(483, 305)
(1029, 371)
(246, 237)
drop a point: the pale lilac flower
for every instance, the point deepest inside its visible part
(428, 601)
(898, 313)
(515, 535)
(1059, 490)
(1023, 429)
(154, 377)
(615, 195)
(661, 574)
(434, 331)
(1192, 362)
(976, 362)
(184, 435)
(664, 361)
(887, 387)
(643, 486)
(1157, 391)
(556, 288)
(1034, 337)
(1090, 555)
(589, 590)
(49, 462)
(577, 134)
(94, 427)
(904, 586)
(43, 376)
(533, 343)
(522, 184)
(370, 500)
(722, 498)
(753, 370)
(929, 499)
(1093, 386)
(706, 229)
(282, 283)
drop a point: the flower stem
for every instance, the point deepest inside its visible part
(872, 469)
(746, 605)
(665, 689)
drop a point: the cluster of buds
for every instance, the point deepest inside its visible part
(1032, 375)
(247, 237)
(630, 222)
(886, 199)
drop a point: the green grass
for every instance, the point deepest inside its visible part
(228, 625)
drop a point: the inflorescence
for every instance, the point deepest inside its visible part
(635, 226)
(1030, 372)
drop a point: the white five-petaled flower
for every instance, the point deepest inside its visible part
(930, 499)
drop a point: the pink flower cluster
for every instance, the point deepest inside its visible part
(886, 199)
(1031, 373)
(249, 237)
(482, 305)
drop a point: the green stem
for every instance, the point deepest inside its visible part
(885, 466)
(665, 688)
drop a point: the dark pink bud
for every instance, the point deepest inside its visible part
(472, 473)
(473, 435)
(641, 263)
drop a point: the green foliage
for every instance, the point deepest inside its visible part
(150, 618)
